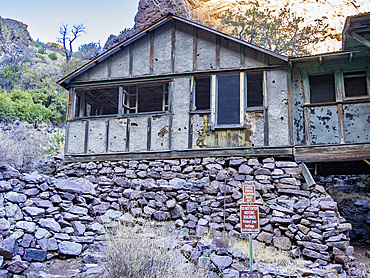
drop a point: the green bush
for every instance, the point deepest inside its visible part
(37, 44)
(41, 50)
(53, 56)
(39, 56)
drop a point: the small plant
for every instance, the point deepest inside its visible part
(53, 56)
(37, 44)
(41, 50)
(39, 56)
(55, 142)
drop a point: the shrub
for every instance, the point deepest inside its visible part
(53, 56)
(55, 143)
(41, 50)
(37, 44)
(132, 255)
(21, 147)
(39, 56)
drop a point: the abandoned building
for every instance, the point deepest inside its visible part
(181, 89)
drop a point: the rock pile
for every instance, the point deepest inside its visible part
(44, 217)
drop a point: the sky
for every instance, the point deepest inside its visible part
(44, 17)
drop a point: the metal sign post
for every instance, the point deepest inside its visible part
(249, 217)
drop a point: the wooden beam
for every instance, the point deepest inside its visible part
(151, 52)
(190, 131)
(107, 136)
(360, 39)
(218, 48)
(86, 136)
(341, 124)
(242, 55)
(265, 111)
(195, 48)
(170, 126)
(173, 45)
(307, 134)
(128, 124)
(109, 66)
(307, 175)
(149, 134)
(131, 59)
(332, 153)
(284, 152)
(290, 105)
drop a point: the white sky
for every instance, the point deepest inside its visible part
(43, 17)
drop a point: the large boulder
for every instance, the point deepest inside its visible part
(8, 248)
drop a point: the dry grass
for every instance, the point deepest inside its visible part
(268, 255)
(147, 252)
(21, 148)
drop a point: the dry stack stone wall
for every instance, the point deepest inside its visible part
(44, 217)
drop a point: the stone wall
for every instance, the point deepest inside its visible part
(44, 217)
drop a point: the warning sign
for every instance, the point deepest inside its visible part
(249, 219)
(249, 194)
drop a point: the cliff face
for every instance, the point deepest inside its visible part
(209, 12)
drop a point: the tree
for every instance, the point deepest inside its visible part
(280, 31)
(89, 50)
(65, 39)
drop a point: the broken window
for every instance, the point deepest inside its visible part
(355, 84)
(96, 102)
(255, 89)
(228, 105)
(202, 93)
(147, 97)
(322, 88)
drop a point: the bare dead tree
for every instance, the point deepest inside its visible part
(68, 37)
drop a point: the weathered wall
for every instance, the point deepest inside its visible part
(138, 134)
(121, 64)
(324, 125)
(180, 106)
(141, 57)
(298, 101)
(356, 122)
(117, 135)
(162, 50)
(183, 48)
(97, 134)
(76, 137)
(277, 102)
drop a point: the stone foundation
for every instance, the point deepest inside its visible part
(44, 217)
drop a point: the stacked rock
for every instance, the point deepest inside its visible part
(44, 217)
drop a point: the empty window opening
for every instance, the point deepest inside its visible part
(322, 88)
(255, 89)
(202, 92)
(355, 84)
(143, 98)
(228, 99)
(96, 102)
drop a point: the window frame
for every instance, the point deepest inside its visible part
(367, 79)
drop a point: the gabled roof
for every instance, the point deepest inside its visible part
(66, 80)
(356, 32)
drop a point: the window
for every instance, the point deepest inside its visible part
(149, 97)
(202, 93)
(228, 99)
(255, 89)
(355, 84)
(322, 88)
(96, 102)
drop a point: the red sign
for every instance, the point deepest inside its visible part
(249, 194)
(249, 219)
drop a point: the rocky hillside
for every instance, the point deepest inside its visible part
(209, 12)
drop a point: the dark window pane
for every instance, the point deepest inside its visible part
(254, 89)
(355, 84)
(150, 98)
(322, 88)
(202, 92)
(228, 102)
